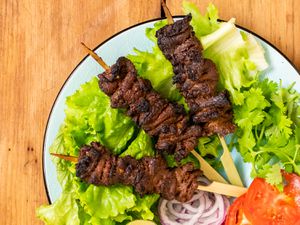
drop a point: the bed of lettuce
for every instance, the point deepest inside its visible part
(267, 116)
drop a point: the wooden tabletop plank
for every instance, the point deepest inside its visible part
(40, 46)
(276, 21)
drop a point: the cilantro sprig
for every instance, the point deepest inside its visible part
(269, 129)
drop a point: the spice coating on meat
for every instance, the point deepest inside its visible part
(164, 120)
(96, 165)
(196, 78)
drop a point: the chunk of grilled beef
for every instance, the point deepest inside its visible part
(160, 118)
(96, 165)
(196, 77)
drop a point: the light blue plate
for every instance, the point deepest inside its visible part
(122, 44)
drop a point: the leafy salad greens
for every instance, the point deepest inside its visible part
(266, 114)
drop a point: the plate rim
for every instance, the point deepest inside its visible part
(108, 39)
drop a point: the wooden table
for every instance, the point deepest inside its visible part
(39, 46)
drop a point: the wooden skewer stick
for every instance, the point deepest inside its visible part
(223, 189)
(228, 164)
(208, 170)
(66, 157)
(215, 187)
(96, 57)
(167, 12)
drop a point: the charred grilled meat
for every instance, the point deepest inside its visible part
(196, 78)
(166, 121)
(96, 165)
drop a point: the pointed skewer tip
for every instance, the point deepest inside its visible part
(65, 157)
(96, 57)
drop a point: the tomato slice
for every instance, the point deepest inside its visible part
(292, 187)
(236, 215)
(265, 205)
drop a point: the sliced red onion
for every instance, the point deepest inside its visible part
(182, 215)
(208, 202)
(203, 209)
(192, 209)
(218, 203)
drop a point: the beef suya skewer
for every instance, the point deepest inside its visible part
(96, 165)
(196, 78)
(148, 175)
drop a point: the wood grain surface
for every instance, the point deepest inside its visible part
(39, 47)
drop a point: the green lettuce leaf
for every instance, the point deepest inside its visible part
(107, 202)
(142, 208)
(209, 146)
(202, 24)
(140, 147)
(63, 212)
(238, 57)
(89, 117)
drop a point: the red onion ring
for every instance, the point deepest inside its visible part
(203, 209)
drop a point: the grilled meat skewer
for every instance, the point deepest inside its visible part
(164, 120)
(96, 165)
(196, 78)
